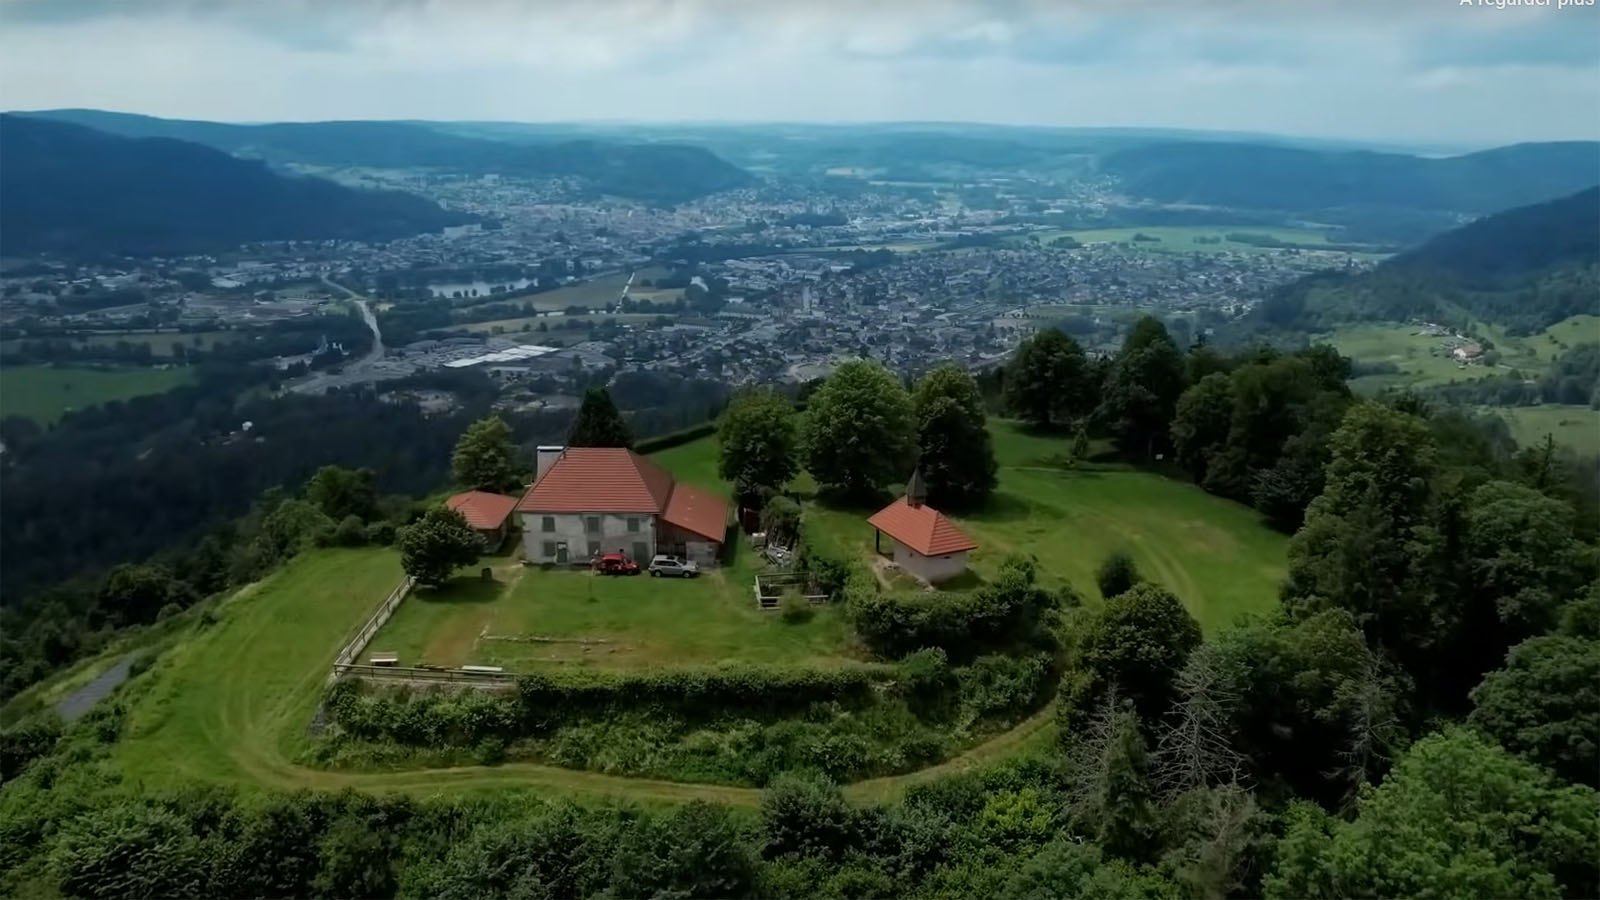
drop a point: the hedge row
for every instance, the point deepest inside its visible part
(546, 700)
(675, 438)
(1008, 612)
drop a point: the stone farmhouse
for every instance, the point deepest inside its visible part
(590, 500)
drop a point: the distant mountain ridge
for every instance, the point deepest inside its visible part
(66, 188)
(1255, 176)
(655, 172)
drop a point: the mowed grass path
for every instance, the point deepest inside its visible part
(45, 393)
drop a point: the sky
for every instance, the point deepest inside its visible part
(1446, 72)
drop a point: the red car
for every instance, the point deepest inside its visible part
(615, 564)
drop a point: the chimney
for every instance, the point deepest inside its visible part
(545, 457)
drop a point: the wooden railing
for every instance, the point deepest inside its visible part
(352, 650)
(402, 673)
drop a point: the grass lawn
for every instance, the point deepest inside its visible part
(45, 393)
(1576, 426)
(598, 292)
(1214, 554)
(234, 699)
(607, 622)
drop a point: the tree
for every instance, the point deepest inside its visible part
(485, 457)
(1117, 574)
(1195, 748)
(859, 431)
(1137, 642)
(1048, 380)
(756, 440)
(436, 545)
(957, 455)
(1200, 424)
(1457, 817)
(1369, 544)
(599, 424)
(1545, 705)
(341, 492)
(1108, 792)
(1140, 395)
(780, 520)
(1521, 555)
(136, 592)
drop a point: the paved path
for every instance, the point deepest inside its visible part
(83, 699)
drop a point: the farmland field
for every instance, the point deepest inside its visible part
(45, 393)
(601, 292)
(159, 342)
(1576, 426)
(1181, 239)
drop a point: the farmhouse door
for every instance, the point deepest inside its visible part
(561, 552)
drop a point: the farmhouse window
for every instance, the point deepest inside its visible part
(549, 548)
(594, 549)
(549, 524)
(591, 524)
(633, 525)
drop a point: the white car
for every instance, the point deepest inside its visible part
(671, 565)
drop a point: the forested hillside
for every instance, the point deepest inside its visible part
(1524, 268)
(661, 172)
(1254, 176)
(69, 189)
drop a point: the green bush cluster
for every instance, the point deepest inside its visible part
(1011, 610)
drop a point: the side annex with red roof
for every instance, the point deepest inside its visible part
(590, 500)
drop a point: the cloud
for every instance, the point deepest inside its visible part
(1361, 68)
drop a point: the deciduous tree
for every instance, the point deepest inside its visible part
(1457, 817)
(1545, 705)
(957, 455)
(859, 432)
(1140, 395)
(485, 457)
(757, 441)
(341, 492)
(1049, 381)
(436, 545)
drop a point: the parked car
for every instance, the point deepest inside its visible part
(671, 565)
(615, 564)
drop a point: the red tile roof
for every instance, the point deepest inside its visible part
(695, 510)
(482, 510)
(614, 480)
(921, 529)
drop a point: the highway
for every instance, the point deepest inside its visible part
(319, 382)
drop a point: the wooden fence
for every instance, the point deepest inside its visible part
(445, 676)
(352, 650)
(771, 588)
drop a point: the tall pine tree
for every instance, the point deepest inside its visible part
(599, 424)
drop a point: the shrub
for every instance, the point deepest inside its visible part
(351, 532)
(780, 519)
(795, 609)
(1117, 574)
(828, 573)
(1008, 610)
(167, 611)
(381, 533)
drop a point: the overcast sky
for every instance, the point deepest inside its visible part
(1404, 70)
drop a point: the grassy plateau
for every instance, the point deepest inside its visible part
(233, 701)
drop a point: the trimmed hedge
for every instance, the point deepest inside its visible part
(675, 438)
(1009, 611)
(543, 701)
